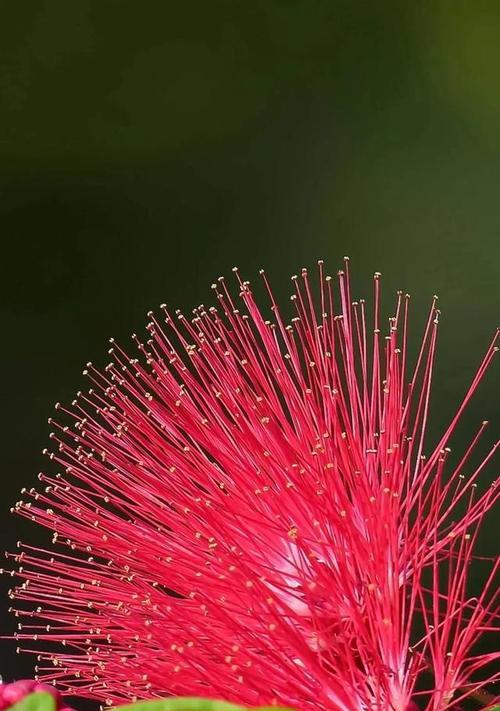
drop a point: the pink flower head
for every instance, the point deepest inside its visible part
(252, 511)
(11, 694)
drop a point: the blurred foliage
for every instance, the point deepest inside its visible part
(181, 703)
(88, 77)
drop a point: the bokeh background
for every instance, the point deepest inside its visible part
(147, 147)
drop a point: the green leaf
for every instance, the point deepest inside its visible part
(181, 703)
(190, 703)
(40, 701)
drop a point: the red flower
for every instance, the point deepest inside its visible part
(252, 511)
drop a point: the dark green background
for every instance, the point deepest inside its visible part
(146, 147)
